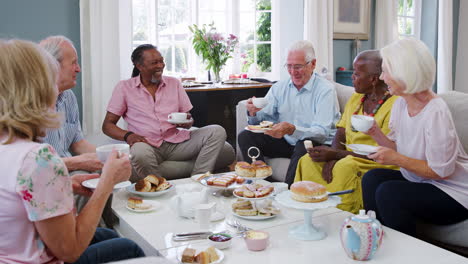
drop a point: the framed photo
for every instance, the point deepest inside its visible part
(351, 19)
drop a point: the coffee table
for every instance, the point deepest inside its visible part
(153, 232)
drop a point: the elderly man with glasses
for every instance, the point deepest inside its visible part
(304, 107)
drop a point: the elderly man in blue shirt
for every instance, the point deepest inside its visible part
(304, 107)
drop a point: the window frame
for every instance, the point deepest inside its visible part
(232, 26)
(417, 19)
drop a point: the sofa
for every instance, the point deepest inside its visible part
(172, 170)
(453, 237)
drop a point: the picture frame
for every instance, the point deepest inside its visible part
(351, 19)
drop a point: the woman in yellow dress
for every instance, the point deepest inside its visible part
(336, 167)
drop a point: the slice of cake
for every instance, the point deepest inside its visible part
(188, 256)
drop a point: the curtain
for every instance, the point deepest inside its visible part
(106, 47)
(444, 47)
(318, 28)
(386, 23)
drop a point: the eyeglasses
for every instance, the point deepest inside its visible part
(296, 67)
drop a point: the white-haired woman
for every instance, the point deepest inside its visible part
(37, 220)
(432, 185)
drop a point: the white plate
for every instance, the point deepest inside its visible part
(198, 249)
(257, 130)
(176, 122)
(131, 189)
(255, 199)
(255, 217)
(232, 186)
(154, 206)
(93, 183)
(284, 198)
(362, 149)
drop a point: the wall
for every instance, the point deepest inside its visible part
(461, 76)
(34, 20)
(343, 48)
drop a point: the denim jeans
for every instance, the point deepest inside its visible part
(107, 246)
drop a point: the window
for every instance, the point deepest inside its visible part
(409, 18)
(164, 23)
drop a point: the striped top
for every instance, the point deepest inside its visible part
(70, 131)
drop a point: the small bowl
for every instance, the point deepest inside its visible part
(361, 122)
(220, 240)
(260, 102)
(256, 240)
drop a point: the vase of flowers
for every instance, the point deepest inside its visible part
(213, 47)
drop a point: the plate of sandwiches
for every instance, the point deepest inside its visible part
(254, 210)
(260, 128)
(254, 191)
(200, 255)
(228, 180)
(150, 186)
(138, 205)
(257, 170)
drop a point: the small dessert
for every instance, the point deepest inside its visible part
(203, 258)
(153, 179)
(163, 186)
(254, 190)
(213, 254)
(308, 192)
(244, 169)
(143, 185)
(136, 203)
(188, 256)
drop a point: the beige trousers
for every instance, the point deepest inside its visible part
(204, 146)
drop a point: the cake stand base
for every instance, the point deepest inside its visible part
(307, 231)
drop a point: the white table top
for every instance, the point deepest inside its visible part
(153, 231)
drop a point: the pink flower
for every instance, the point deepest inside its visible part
(26, 195)
(243, 55)
(217, 37)
(232, 37)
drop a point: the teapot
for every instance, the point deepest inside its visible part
(361, 236)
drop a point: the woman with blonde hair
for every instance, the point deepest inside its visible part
(432, 184)
(36, 195)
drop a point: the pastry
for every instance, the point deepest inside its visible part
(136, 203)
(308, 192)
(263, 171)
(244, 169)
(143, 185)
(163, 186)
(153, 179)
(188, 256)
(212, 253)
(203, 258)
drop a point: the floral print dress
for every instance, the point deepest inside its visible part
(34, 186)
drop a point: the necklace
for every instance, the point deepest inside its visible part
(377, 107)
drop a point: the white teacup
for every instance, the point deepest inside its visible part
(177, 116)
(203, 214)
(260, 102)
(361, 122)
(103, 152)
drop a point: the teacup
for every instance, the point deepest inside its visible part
(260, 102)
(362, 123)
(177, 116)
(256, 240)
(103, 152)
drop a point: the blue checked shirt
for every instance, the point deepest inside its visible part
(314, 110)
(70, 131)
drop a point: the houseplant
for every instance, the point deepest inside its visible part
(212, 47)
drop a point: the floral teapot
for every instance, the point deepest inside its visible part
(361, 236)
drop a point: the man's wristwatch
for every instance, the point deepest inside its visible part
(127, 135)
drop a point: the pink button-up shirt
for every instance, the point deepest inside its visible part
(147, 117)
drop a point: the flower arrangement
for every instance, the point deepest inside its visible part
(214, 49)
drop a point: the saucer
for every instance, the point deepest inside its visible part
(362, 149)
(179, 122)
(93, 183)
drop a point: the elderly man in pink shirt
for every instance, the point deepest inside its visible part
(145, 101)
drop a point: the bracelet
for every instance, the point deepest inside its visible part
(127, 135)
